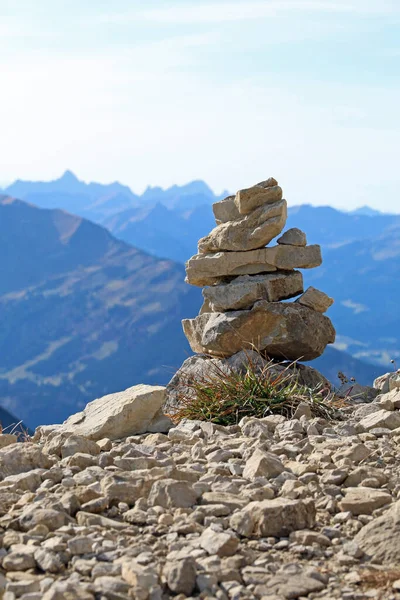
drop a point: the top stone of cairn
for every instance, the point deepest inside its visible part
(265, 192)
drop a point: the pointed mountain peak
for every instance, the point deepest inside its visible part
(69, 177)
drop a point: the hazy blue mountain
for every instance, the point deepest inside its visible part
(364, 279)
(96, 202)
(163, 231)
(367, 211)
(81, 313)
(332, 228)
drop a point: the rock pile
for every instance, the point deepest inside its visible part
(268, 509)
(246, 282)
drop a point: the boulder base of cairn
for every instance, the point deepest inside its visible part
(200, 368)
(208, 269)
(244, 291)
(283, 330)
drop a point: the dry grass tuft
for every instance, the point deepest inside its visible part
(225, 398)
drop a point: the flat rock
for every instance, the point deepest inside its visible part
(363, 500)
(283, 330)
(208, 269)
(381, 418)
(290, 587)
(244, 291)
(277, 517)
(380, 539)
(293, 237)
(252, 231)
(135, 410)
(315, 299)
(265, 192)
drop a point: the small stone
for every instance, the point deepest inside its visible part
(75, 444)
(171, 493)
(262, 464)
(217, 542)
(18, 561)
(80, 545)
(315, 299)
(293, 237)
(181, 576)
(48, 561)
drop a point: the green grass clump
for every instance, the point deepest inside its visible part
(225, 398)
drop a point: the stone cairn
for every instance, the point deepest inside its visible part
(247, 281)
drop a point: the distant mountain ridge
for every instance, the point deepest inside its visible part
(81, 313)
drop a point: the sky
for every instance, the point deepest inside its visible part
(164, 92)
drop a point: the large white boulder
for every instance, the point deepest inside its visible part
(135, 410)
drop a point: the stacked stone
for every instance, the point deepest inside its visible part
(247, 281)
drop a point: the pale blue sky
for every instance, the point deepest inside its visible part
(162, 92)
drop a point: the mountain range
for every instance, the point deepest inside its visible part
(81, 313)
(84, 313)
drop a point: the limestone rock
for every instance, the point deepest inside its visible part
(265, 192)
(248, 233)
(181, 576)
(381, 418)
(379, 539)
(218, 542)
(283, 330)
(282, 586)
(277, 517)
(171, 493)
(246, 290)
(226, 210)
(136, 410)
(363, 500)
(262, 464)
(19, 458)
(388, 382)
(293, 237)
(208, 269)
(34, 516)
(315, 299)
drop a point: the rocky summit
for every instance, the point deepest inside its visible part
(273, 508)
(246, 282)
